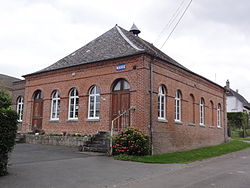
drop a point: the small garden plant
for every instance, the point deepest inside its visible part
(131, 141)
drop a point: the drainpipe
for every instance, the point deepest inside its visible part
(151, 103)
(225, 117)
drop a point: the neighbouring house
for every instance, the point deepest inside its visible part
(120, 80)
(6, 82)
(235, 101)
(15, 87)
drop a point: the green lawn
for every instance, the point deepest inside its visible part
(189, 156)
(246, 138)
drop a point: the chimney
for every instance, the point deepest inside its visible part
(227, 85)
(237, 91)
(134, 30)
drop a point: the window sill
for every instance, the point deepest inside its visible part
(211, 127)
(72, 120)
(219, 128)
(54, 121)
(191, 124)
(162, 120)
(90, 120)
(178, 122)
(202, 125)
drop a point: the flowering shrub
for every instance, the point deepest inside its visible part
(130, 142)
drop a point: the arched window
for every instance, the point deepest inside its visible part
(218, 115)
(202, 111)
(38, 94)
(19, 108)
(178, 106)
(73, 104)
(212, 113)
(94, 103)
(120, 85)
(162, 102)
(192, 109)
(55, 106)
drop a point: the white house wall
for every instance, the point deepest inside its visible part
(234, 105)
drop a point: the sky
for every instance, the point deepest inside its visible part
(212, 39)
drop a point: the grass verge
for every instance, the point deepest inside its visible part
(189, 156)
(246, 138)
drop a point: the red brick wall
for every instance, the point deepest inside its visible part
(103, 75)
(18, 91)
(170, 136)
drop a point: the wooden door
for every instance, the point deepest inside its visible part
(37, 114)
(120, 103)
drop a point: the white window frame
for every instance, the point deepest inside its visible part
(202, 112)
(178, 106)
(55, 99)
(19, 108)
(162, 95)
(74, 97)
(218, 115)
(94, 95)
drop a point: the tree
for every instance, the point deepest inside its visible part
(5, 99)
(238, 121)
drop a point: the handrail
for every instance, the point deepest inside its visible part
(112, 126)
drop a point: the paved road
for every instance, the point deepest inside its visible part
(228, 171)
(40, 166)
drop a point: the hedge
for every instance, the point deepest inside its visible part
(8, 129)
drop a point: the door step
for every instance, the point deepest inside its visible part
(98, 143)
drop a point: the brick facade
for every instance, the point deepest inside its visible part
(173, 136)
(167, 136)
(101, 74)
(18, 91)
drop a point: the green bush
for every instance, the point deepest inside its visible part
(8, 129)
(131, 142)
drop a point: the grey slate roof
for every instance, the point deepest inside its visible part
(230, 92)
(7, 81)
(115, 43)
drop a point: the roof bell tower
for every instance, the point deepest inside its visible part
(135, 30)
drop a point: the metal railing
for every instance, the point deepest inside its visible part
(123, 121)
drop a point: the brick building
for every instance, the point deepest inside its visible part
(121, 75)
(15, 88)
(6, 82)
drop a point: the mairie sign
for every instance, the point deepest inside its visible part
(120, 67)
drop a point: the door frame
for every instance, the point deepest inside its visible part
(37, 98)
(124, 89)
